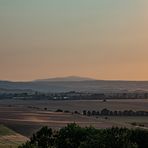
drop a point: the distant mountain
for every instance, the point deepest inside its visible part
(66, 79)
(75, 84)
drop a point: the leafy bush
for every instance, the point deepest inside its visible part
(74, 136)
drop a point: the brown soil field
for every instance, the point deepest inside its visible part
(28, 121)
(25, 117)
(15, 139)
(80, 105)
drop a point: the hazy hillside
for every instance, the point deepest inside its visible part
(66, 79)
(76, 84)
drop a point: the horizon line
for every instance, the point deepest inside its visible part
(89, 79)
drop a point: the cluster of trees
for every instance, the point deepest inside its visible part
(24, 96)
(72, 95)
(106, 112)
(67, 111)
(127, 95)
(73, 136)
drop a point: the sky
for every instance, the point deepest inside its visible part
(102, 39)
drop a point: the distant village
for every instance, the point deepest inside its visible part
(72, 95)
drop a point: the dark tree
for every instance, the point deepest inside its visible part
(74, 136)
(84, 112)
(105, 112)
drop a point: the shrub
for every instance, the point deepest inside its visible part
(74, 136)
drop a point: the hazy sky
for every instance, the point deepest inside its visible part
(103, 39)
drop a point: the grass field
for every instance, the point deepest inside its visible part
(6, 131)
(9, 138)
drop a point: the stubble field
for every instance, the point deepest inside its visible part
(25, 117)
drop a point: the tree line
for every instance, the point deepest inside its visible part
(72, 95)
(74, 136)
(107, 112)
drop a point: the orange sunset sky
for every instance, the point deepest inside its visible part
(102, 39)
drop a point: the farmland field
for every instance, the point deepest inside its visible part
(80, 105)
(9, 138)
(25, 117)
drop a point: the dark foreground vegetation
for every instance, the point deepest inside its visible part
(73, 136)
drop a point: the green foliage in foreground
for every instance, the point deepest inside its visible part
(5, 131)
(73, 136)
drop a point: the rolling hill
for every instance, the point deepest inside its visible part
(78, 84)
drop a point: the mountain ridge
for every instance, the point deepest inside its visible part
(70, 79)
(66, 79)
(87, 85)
